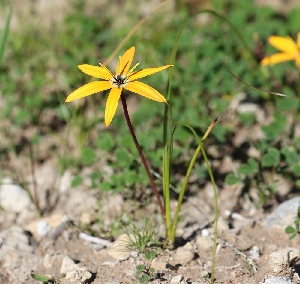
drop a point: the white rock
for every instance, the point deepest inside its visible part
(280, 260)
(134, 254)
(184, 256)
(188, 246)
(43, 228)
(64, 183)
(276, 280)
(14, 244)
(118, 250)
(178, 279)
(50, 259)
(222, 224)
(86, 218)
(78, 275)
(284, 215)
(254, 252)
(14, 198)
(67, 265)
(159, 265)
(109, 263)
(204, 242)
(39, 227)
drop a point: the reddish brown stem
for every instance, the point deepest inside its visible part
(162, 209)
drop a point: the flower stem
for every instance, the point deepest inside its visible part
(162, 209)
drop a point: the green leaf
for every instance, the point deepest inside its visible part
(105, 142)
(298, 182)
(271, 158)
(250, 168)
(141, 267)
(77, 180)
(88, 156)
(253, 164)
(275, 128)
(290, 155)
(290, 230)
(122, 157)
(232, 179)
(296, 170)
(131, 177)
(154, 253)
(286, 104)
(95, 175)
(41, 278)
(292, 236)
(106, 186)
(245, 169)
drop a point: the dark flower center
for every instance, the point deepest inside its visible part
(119, 81)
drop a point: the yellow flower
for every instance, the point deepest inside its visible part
(290, 50)
(116, 82)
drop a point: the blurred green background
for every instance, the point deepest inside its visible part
(48, 39)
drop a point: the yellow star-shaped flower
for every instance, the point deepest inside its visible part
(116, 82)
(290, 50)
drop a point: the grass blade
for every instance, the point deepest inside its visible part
(4, 34)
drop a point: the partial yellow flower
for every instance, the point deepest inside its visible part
(290, 50)
(116, 82)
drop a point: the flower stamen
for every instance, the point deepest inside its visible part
(131, 70)
(119, 81)
(101, 65)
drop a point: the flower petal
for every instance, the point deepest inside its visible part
(88, 89)
(125, 61)
(298, 41)
(145, 90)
(95, 71)
(285, 44)
(146, 72)
(112, 104)
(277, 58)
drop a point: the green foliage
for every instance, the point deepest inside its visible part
(144, 272)
(142, 238)
(294, 231)
(231, 179)
(291, 156)
(88, 156)
(77, 180)
(275, 128)
(43, 278)
(4, 34)
(271, 158)
(250, 167)
(284, 162)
